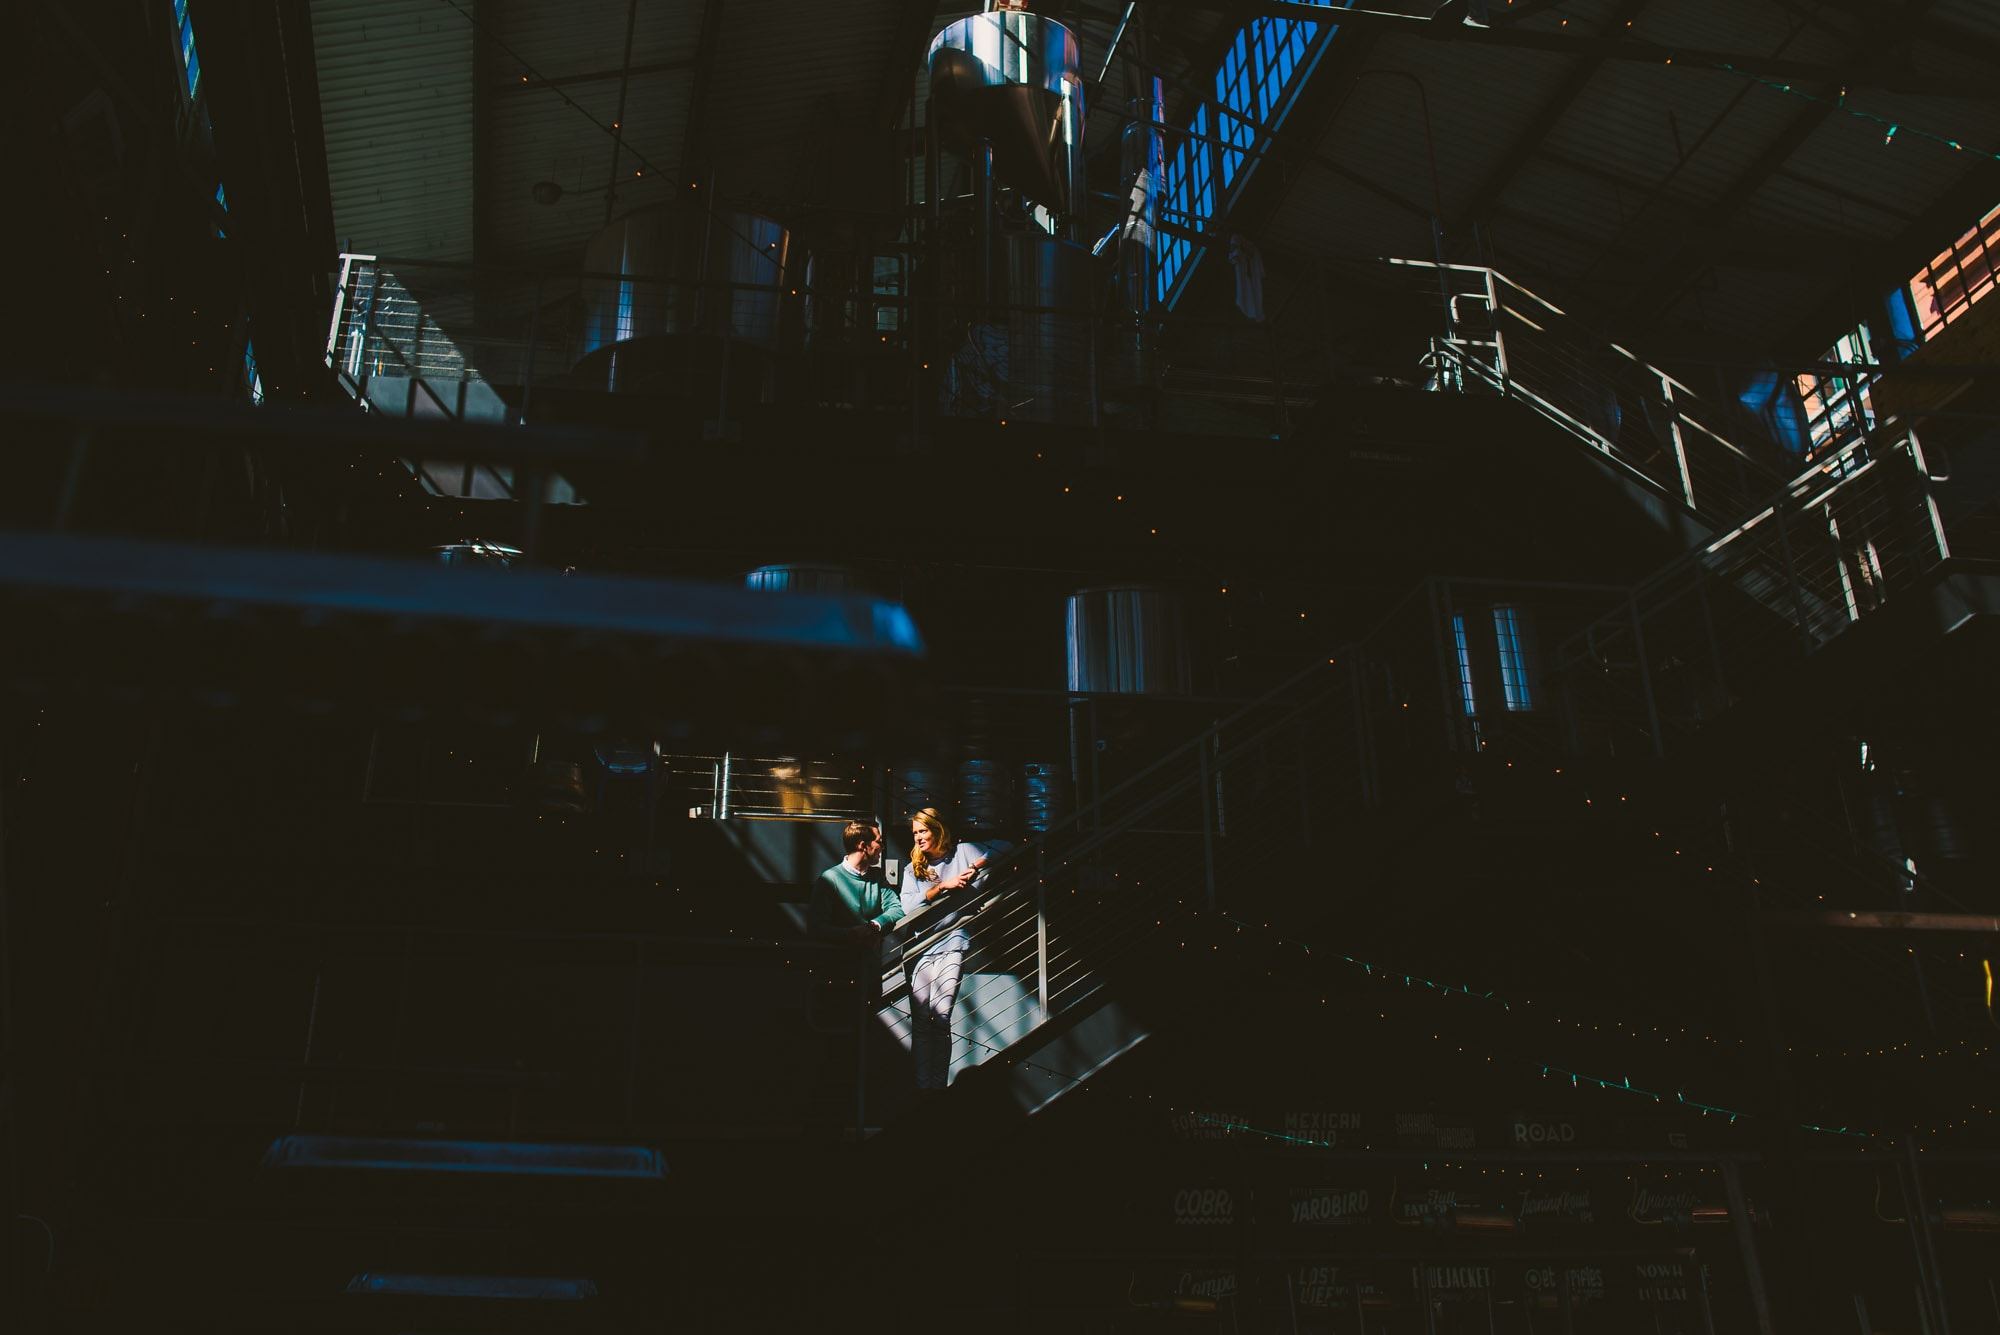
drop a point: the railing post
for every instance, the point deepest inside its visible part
(1930, 496)
(367, 323)
(1646, 678)
(1792, 576)
(339, 307)
(1680, 445)
(1499, 340)
(1840, 561)
(1042, 929)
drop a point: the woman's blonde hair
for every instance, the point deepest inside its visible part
(925, 868)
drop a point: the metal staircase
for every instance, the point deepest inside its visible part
(1821, 545)
(1057, 921)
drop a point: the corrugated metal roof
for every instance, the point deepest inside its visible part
(1974, 16)
(784, 70)
(395, 80)
(541, 139)
(1642, 159)
(1648, 157)
(396, 88)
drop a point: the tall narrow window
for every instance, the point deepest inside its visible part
(190, 62)
(253, 381)
(625, 324)
(1464, 664)
(1838, 406)
(1517, 665)
(1259, 78)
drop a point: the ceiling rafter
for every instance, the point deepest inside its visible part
(694, 148)
(618, 119)
(1529, 142)
(520, 85)
(1667, 281)
(1929, 28)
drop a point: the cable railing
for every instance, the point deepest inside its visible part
(1500, 338)
(1055, 922)
(1852, 534)
(430, 338)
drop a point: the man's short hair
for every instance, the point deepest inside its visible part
(857, 833)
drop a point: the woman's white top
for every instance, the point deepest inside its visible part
(913, 894)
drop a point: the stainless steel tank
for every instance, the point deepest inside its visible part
(1042, 804)
(920, 786)
(1012, 80)
(1129, 640)
(1031, 359)
(800, 578)
(471, 553)
(679, 271)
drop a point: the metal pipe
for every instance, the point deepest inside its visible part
(528, 371)
(1042, 929)
(1646, 679)
(1207, 828)
(985, 231)
(1746, 1241)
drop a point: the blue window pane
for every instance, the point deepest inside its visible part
(1255, 84)
(1464, 664)
(1516, 665)
(190, 62)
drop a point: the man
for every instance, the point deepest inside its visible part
(849, 901)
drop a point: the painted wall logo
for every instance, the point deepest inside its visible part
(1428, 1131)
(1204, 1205)
(1425, 1203)
(1320, 1288)
(1328, 1205)
(1650, 1206)
(1535, 1132)
(1585, 1283)
(1662, 1281)
(1322, 1128)
(1198, 1124)
(1447, 1280)
(1556, 1207)
(1215, 1285)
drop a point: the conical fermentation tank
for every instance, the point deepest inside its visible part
(1006, 97)
(1010, 79)
(667, 286)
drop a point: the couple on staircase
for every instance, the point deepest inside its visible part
(851, 903)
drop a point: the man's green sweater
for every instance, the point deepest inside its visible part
(841, 900)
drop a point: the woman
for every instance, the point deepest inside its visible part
(938, 865)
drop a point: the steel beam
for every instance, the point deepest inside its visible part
(1873, 920)
(1529, 142)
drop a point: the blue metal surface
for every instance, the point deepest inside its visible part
(657, 608)
(519, 1158)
